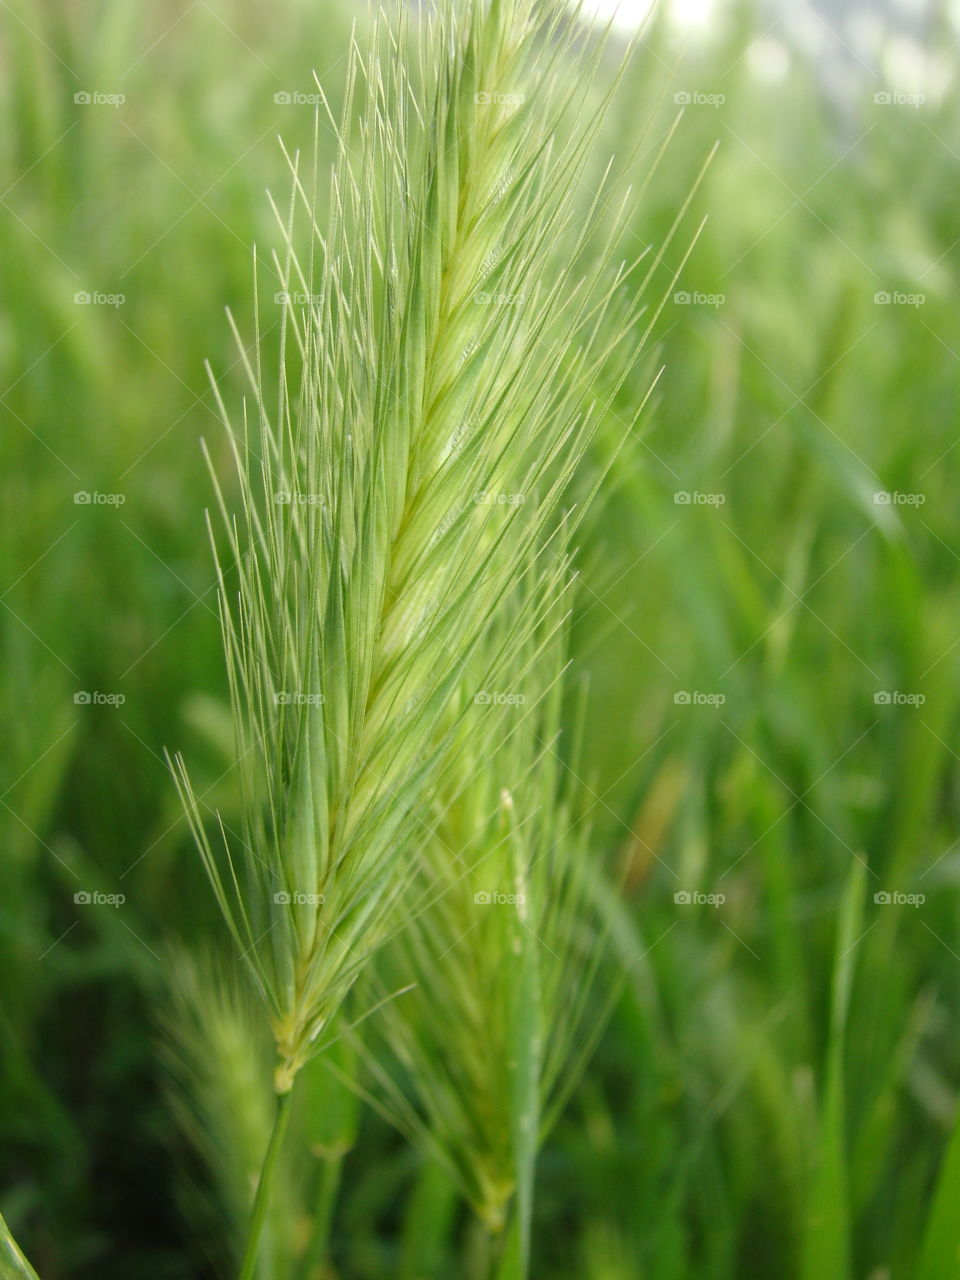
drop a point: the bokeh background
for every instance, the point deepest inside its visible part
(767, 629)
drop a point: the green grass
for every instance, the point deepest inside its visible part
(766, 1099)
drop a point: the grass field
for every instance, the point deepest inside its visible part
(762, 686)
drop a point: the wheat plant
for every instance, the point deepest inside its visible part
(501, 963)
(217, 1051)
(430, 407)
(219, 1068)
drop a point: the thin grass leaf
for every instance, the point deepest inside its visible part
(826, 1240)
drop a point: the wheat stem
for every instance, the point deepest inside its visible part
(261, 1202)
(481, 1247)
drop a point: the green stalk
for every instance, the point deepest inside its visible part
(262, 1200)
(329, 1184)
(481, 1250)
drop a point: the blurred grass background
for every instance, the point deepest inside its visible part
(776, 1092)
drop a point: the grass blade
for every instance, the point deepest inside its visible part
(826, 1242)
